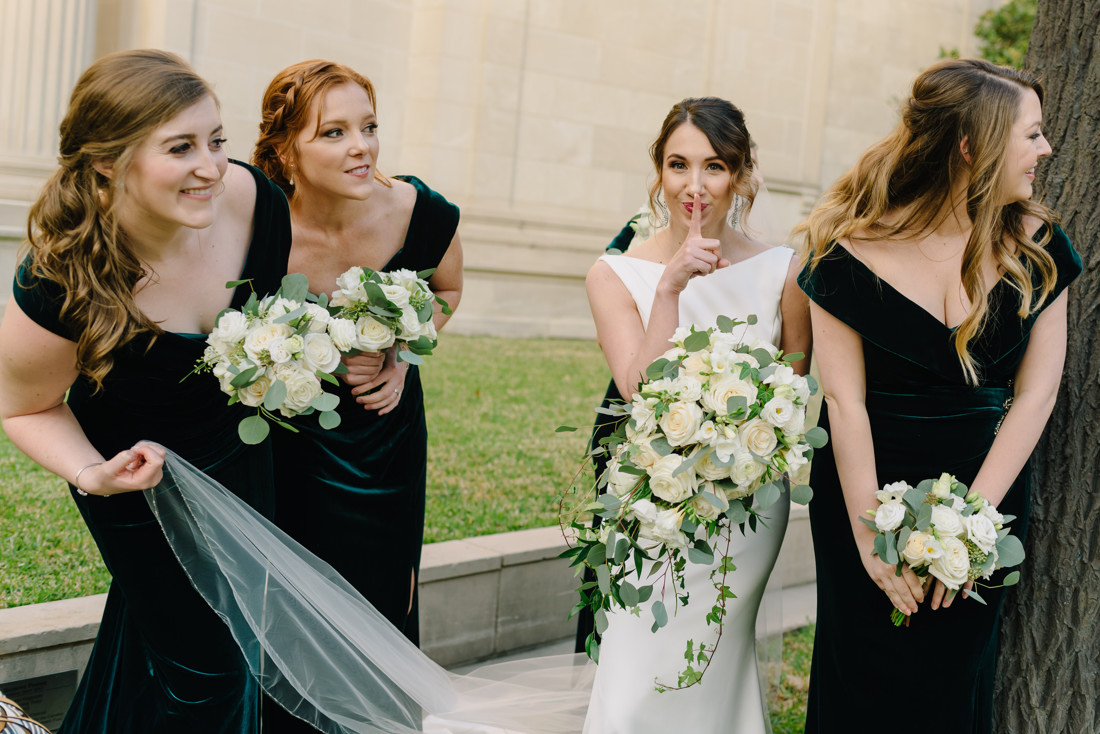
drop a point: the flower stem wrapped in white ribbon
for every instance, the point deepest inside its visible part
(709, 441)
(942, 530)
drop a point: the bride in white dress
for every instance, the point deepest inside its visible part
(701, 265)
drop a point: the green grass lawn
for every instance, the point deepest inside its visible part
(496, 464)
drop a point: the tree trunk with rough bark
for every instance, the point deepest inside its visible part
(1048, 679)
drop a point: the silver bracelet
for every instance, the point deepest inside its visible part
(76, 479)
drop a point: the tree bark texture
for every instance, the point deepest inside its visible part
(1048, 679)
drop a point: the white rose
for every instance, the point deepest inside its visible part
(318, 318)
(796, 426)
(941, 488)
(708, 470)
(695, 365)
(953, 567)
(620, 483)
(789, 384)
(319, 353)
(688, 388)
(428, 329)
(673, 354)
(284, 350)
(231, 328)
(893, 492)
(671, 488)
(281, 307)
(409, 324)
(947, 522)
(642, 455)
(888, 517)
(371, 335)
(745, 470)
(302, 387)
(981, 532)
(666, 529)
(778, 412)
(990, 512)
(259, 339)
(252, 395)
(759, 437)
(643, 511)
(397, 295)
(342, 332)
(405, 278)
(724, 387)
(680, 422)
(704, 507)
(921, 548)
(350, 280)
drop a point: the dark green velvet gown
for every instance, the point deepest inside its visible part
(354, 496)
(163, 661)
(924, 420)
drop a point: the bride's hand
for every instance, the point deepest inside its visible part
(905, 592)
(135, 469)
(698, 255)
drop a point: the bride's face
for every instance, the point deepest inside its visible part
(692, 167)
(337, 157)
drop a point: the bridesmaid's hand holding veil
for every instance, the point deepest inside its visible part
(133, 470)
(698, 255)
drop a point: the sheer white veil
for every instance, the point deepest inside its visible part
(323, 652)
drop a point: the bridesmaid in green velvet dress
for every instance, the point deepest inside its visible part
(132, 242)
(355, 495)
(939, 315)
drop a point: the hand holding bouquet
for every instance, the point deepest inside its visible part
(942, 530)
(707, 442)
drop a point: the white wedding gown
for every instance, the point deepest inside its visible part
(729, 698)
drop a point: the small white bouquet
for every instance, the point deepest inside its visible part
(371, 311)
(942, 530)
(707, 443)
(273, 355)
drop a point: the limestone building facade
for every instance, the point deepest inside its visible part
(534, 116)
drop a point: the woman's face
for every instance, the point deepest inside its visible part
(172, 177)
(338, 156)
(692, 167)
(1026, 145)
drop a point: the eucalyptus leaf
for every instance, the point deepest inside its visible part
(891, 549)
(697, 340)
(762, 356)
(661, 445)
(644, 593)
(291, 315)
(1010, 551)
(751, 319)
(235, 283)
(603, 578)
(622, 550)
(565, 429)
(817, 437)
(609, 501)
(973, 594)
(327, 377)
(725, 324)
(737, 513)
(812, 383)
(245, 377)
(253, 430)
(592, 648)
(802, 494)
(412, 358)
(657, 369)
(425, 273)
(713, 499)
(326, 401)
(275, 395)
(377, 295)
(294, 287)
(629, 594)
(737, 404)
(701, 553)
(880, 547)
(597, 554)
(914, 498)
(767, 495)
(660, 615)
(924, 517)
(793, 357)
(1012, 579)
(328, 419)
(601, 621)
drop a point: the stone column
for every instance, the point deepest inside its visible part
(44, 46)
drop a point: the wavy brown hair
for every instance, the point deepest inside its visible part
(73, 234)
(724, 126)
(913, 171)
(285, 114)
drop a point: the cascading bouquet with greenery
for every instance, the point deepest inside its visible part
(273, 355)
(707, 443)
(942, 530)
(372, 311)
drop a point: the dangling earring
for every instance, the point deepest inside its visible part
(733, 216)
(661, 216)
(290, 175)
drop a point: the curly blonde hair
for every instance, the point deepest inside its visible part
(912, 172)
(285, 114)
(73, 233)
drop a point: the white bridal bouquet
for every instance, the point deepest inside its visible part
(708, 442)
(942, 530)
(272, 355)
(372, 311)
